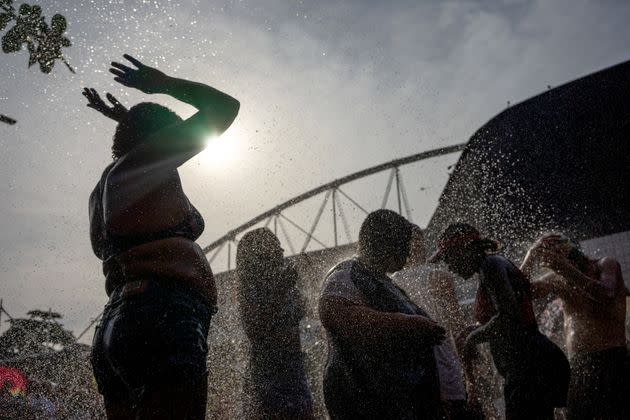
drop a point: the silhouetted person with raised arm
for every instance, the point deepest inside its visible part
(380, 344)
(270, 308)
(593, 297)
(149, 351)
(535, 370)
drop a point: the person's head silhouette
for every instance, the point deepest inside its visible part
(138, 123)
(384, 240)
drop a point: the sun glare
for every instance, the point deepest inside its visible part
(219, 151)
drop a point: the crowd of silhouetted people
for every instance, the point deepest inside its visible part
(393, 354)
(398, 347)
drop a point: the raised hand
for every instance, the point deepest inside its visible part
(543, 244)
(555, 261)
(144, 78)
(536, 253)
(116, 111)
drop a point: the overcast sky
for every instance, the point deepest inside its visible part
(326, 88)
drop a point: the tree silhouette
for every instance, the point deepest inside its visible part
(40, 332)
(7, 120)
(43, 41)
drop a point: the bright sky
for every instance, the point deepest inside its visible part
(326, 88)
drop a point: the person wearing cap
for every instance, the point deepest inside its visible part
(593, 296)
(380, 344)
(535, 371)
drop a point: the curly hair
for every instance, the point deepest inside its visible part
(139, 123)
(263, 278)
(258, 251)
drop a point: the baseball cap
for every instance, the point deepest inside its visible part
(454, 235)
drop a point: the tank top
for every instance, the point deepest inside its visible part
(108, 246)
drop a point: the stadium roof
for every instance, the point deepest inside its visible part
(558, 161)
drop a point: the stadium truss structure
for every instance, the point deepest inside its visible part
(332, 196)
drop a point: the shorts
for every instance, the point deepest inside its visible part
(153, 333)
(599, 386)
(538, 382)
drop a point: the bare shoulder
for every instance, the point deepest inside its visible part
(608, 263)
(610, 276)
(611, 265)
(339, 284)
(551, 276)
(339, 274)
(610, 269)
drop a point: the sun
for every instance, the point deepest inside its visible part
(220, 150)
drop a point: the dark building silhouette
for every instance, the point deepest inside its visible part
(558, 161)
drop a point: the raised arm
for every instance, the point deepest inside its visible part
(178, 142)
(602, 290)
(550, 283)
(143, 184)
(494, 279)
(535, 251)
(116, 111)
(567, 281)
